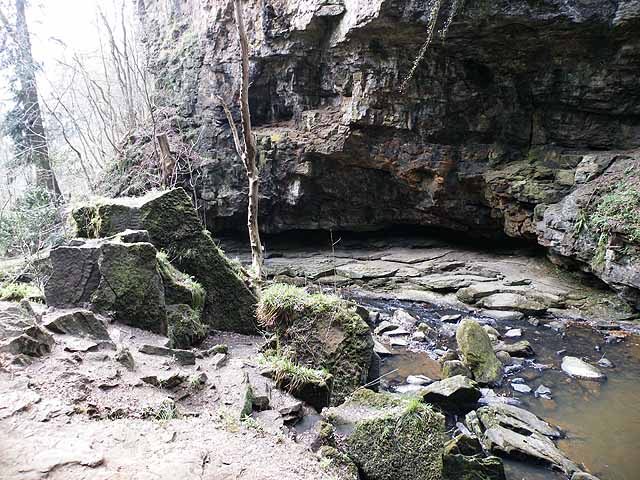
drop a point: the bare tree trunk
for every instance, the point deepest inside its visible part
(35, 139)
(167, 162)
(247, 149)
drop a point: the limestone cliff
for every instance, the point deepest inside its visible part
(496, 125)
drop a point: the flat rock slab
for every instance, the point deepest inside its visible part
(578, 368)
(367, 270)
(512, 301)
(453, 392)
(183, 357)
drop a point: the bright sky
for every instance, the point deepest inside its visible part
(59, 28)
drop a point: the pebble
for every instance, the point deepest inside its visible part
(418, 336)
(419, 380)
(512, 369)
(543, 391)
(398, 342)
(518, 380)
(408, 388)
(384, 327)
(519, 387)
(605, 363)
(398, 332)
(450, 318)
(513, 333)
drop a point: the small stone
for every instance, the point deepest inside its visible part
(504, 357)
(518, 349)
(521, 388)
(605, 363)
(456, 392)
(123, 356)
(452, 368)
(491, 331)
(183, 357)
(419, 380)
(398, 332)
(398, 342)
(403, 317)
(450, 318)
(384, 327)
(513, 333)
(607, 326)
(218, 360)
(583, 476)
(380, 349)
(518, 380)
(418, 336)
(543, 391)
(578, 368)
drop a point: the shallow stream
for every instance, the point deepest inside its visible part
(601, 420)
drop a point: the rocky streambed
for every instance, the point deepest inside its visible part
(155, 357)
(560, 328)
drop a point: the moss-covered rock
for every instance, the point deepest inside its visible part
(390, 437)
(175, 228)
(461, 467)
(319, 331)
(184, 327)
(477, 352)
(130, 285)
(311, 385)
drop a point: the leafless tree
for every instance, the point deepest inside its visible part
(246, 146)
(28, 126)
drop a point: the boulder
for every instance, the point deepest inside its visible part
(130, 287)
(454, 393)
(463, 444)
(20, 334)
(520, 349)
(506, 430)
(78, 322)
(477, 353)
(451, 368)
(389, 437)
(578, 368)
(119, 278)
(174, 227)
(319, 332)
(185, 329)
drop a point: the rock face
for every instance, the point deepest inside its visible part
(20, 334)
(390, 437)
(522, 103)
(320, 332)
(477, 352)
(173, 226)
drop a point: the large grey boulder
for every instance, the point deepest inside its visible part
(78, 322)
(477, 352)
(117, 278)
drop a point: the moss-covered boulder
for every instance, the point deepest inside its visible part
(174, 227)
(390, 437)
(321, 332)
(477, 352)
(184, 326)
(130, 287)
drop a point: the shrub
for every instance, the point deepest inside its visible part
(34, 222)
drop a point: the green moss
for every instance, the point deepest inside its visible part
(619, 211)
(321, 332)
(184, 327)
(131, 286)
(16, 291)
(403, 441)
(285, 370)
(180, 288)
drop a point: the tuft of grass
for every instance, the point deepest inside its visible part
(619, 211)
(279, 302)
(287, 372)
(252, 423)
(166, 411)
(182, 279)
(16, 291)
